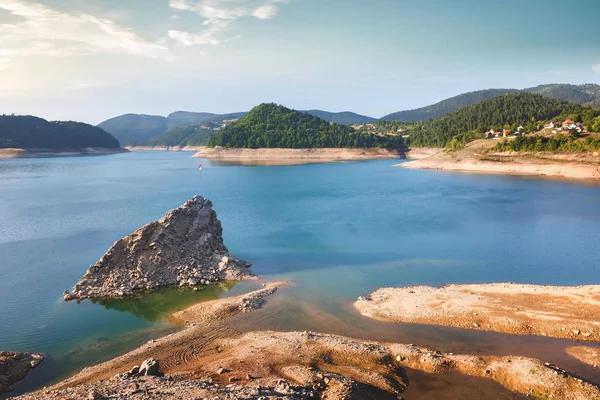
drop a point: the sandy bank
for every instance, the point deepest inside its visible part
(295, 156)
(478, 157)
(164, 148)
(588, 355)
(563, 312)
(41, 153)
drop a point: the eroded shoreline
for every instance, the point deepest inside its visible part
(208, 358)
(296, 156)
(477, 157)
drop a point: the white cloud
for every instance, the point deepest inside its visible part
(596, 68)
(265, 12)
(43, 31)
(218, 15)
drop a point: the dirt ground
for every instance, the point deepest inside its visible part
(562, 312)
(476, 157)
(209, 359)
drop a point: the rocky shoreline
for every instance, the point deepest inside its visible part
(183, 248)
(304, 365)
(209, 360)
(478, 157)
(15, 366)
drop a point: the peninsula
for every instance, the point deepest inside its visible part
(273, 133)
(562, 312)
(27, 136)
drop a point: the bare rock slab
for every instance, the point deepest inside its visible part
(183, 248)
(14, 367)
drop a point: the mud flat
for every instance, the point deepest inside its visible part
(562, 312)
(42, 153)
(588, 355)
(295, 156)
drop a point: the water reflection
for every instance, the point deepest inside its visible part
(156, 305)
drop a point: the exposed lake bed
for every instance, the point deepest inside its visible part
(369, 226)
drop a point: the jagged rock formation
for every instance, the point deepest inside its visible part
(185, 248)
(14, 367)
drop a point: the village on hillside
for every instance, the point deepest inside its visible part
(551, 128)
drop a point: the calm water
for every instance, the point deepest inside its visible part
(336, 230)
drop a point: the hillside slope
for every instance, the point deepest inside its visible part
(275, 126)
(447, 106)
(133, 129)
(519, 108)
(29, 132)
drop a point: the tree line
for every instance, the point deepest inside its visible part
(28, 132)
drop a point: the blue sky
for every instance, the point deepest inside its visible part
(94, 59)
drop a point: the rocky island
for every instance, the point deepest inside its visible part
(184, 248)
(15, 366)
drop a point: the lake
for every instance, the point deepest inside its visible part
(336, 231)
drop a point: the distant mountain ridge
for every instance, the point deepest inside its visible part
(141, 129)
(131, 129)
(344, 117)
(586, 94)
(29, 132)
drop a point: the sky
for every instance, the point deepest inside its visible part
(89, 60)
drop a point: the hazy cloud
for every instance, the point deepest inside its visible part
(218, 15)
(596, 68)
(43, 31)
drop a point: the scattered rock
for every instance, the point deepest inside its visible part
(183, 248)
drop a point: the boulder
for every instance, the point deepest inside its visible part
(149, 367)
(183, 248)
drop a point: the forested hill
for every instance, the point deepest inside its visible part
(519, 108)
(344, 117)
(586, 94)
(275, 126)
(447, 106)
(27, 132)
(135, 128)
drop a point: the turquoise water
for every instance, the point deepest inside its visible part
(336, 230)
